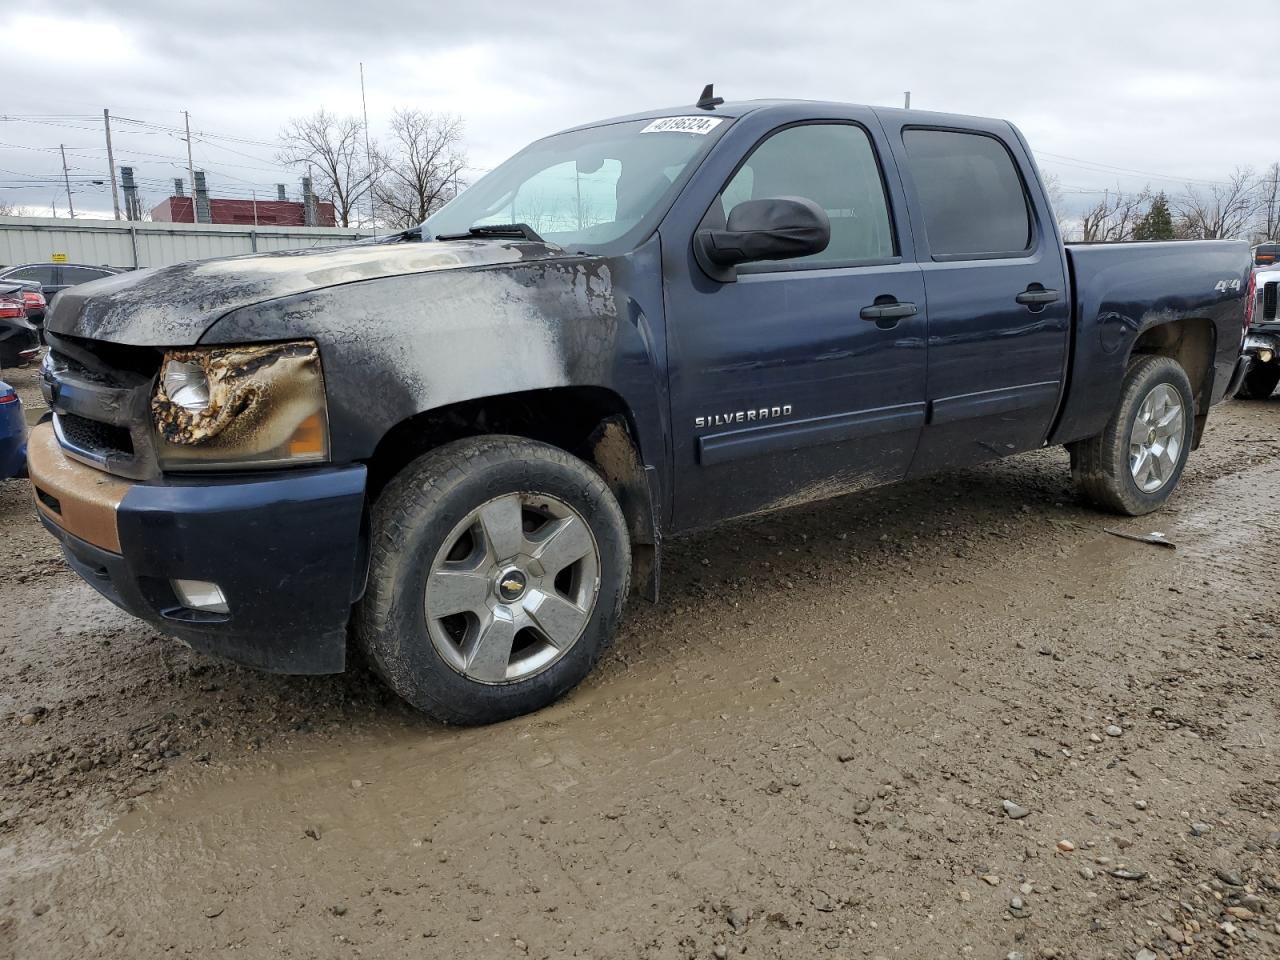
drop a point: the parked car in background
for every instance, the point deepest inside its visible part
(1262, 341)
(53, 277)
(13, 434)
(19, 337)
(627, 331)
(32, 297)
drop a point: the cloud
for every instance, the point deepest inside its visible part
(1106, 92)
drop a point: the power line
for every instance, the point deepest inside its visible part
(1091, 165)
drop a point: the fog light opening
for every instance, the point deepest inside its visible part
(201, 595)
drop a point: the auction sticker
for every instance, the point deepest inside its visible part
(702, 125)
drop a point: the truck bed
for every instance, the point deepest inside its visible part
(1123, 290)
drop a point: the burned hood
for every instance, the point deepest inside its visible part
(173, 306)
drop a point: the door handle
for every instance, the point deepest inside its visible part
(888, 311)
(1036, 296)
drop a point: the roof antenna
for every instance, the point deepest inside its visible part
(709, 100)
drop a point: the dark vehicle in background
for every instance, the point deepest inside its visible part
(1262, 341)
(32, 297)
(13, 434)
(54, 277)
(19, 336)
(470, 445)
(1266, 255)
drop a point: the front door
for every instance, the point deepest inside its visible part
(803, 378)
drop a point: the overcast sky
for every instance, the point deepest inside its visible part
(1107, 93)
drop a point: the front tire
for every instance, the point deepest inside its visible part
(1133, 466)
(1260, 382)
(498, 571)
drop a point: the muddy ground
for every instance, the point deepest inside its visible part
(802, 752)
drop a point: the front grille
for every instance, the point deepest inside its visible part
(100, 411)
(95, 438)
(1269, 301)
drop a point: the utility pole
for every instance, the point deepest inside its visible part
(191, 169)
(906, 100)
(66, 178)
(111, 162)
(368, 158)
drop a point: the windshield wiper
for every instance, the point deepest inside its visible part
(515, 231)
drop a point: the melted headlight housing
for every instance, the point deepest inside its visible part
(259, 405)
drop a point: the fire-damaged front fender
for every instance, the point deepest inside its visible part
(396, 347)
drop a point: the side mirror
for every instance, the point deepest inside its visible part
(776, 228)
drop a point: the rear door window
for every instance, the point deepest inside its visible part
(971, 195)
(73, 275)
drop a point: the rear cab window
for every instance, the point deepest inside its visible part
(971, 195)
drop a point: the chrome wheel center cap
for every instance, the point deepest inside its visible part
(512, 585)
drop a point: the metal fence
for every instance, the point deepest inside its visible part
(128, 244)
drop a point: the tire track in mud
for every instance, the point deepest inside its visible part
(812, 735)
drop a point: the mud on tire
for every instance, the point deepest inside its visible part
(420, 513)
(1100, 465)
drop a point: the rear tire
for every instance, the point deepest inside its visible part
(1110, 470)
(1260, 382)
(498, 571)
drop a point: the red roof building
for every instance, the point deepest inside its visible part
(275, 213)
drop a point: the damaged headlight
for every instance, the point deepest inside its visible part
(253, 405)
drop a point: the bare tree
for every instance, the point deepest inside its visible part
(419, 167)
(1057, 201)
(8, 209)
(1268, 215)
(333, 148)
(1114, 217)
(1219, 211)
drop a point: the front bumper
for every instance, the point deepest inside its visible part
(286, 548)
(1262, 342)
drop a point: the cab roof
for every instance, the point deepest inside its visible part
(735, 109)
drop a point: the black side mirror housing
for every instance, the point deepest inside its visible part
(775, 228)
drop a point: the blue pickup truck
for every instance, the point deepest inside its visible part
(461, 448)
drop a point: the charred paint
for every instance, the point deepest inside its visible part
(397, 346)
(173, 306)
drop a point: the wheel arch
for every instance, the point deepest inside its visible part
(1191, 342)
(593, 423)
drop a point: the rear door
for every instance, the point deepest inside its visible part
(805, 377)
(996, 286)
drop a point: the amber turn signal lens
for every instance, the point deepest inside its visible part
(308, 439)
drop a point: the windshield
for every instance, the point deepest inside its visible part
(586, 189)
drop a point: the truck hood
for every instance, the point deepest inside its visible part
(174, 306)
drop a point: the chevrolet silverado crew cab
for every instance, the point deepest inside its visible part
(461, 448)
